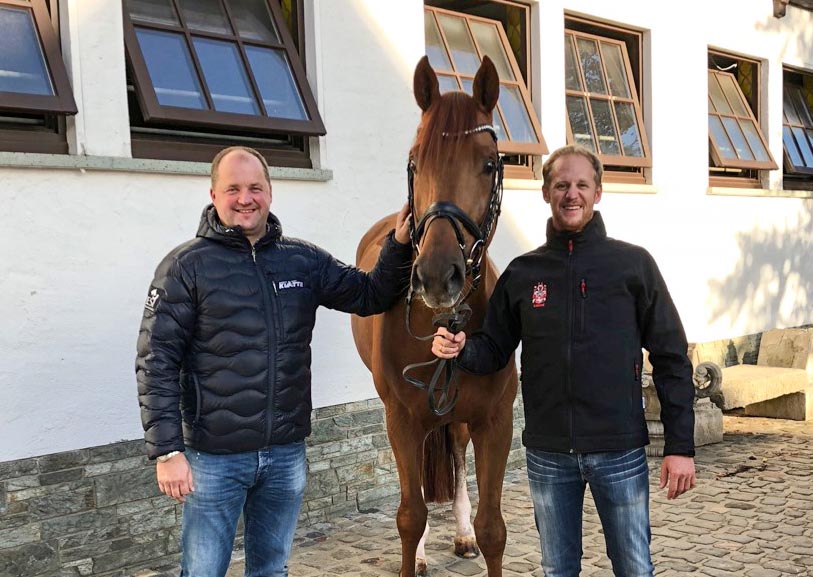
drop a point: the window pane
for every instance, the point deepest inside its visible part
(628, 125)
(225, 76)
(580, 122)
(513, 107)
(737, 139)
(274, 78)
(171, 71)
(22, 65)
(616, 76)
(434, 45)
(804, 146)
(457, 35)
(802, 108)
(153, 11)
(721, 138)
(573, 80)
(603, 117)
(496, 121)
(732, 91)
(448, 83)
(716, 94)
(490, 43)
(591, 65)
(253, 20)
(789, 109)
(752, 136)
(205, 15)
(790, 147)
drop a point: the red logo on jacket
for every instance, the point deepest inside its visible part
(539, 295)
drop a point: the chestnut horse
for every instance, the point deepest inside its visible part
(455, 176)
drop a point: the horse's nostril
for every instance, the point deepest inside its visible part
(455, 280)
(416, 280)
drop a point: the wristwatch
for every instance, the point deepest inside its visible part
(167, 457)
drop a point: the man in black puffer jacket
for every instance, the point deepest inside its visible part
(223, 365)
(583, 306)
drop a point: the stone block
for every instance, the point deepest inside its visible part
(795, 406)
(20, 468)
(791, 348)
(32, 559)
(748, 384)
(126, 486)
(708, 428)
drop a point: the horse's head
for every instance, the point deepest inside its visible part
(455, 183)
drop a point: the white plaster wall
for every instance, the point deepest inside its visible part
(78, 249)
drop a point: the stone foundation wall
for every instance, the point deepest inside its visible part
(98, 511)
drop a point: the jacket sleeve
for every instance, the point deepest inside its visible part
(489, 349)
(663, 336)
(166, 330)
(352, 290)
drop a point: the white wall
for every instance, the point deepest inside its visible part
(78, 248)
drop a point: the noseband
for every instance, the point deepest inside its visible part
(456, 320)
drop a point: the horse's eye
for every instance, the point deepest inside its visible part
(489, 167)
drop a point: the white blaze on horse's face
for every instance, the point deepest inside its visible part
(454, 161)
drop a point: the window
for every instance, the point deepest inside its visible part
(206, 73)
(456, 40)
(602, 86)
(797, 129)
(738, 149)
(34, 90)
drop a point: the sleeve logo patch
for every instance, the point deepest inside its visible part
(152, 299)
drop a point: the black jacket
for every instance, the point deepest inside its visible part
(226, 335)
(583, 306)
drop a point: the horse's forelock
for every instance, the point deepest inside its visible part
(454, 113)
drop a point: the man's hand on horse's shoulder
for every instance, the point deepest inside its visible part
(677, 472)
(448, 345)
(402, 225)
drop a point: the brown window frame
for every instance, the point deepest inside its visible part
(795, 171)
(618, 168)
(162, 115)
(504, 146)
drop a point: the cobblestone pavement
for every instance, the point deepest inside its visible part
(750, 515)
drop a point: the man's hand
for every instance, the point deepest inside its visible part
(175, 477)
(677, 472)
(447, 345)
(402, 225)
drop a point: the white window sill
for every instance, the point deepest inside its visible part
(761, 192)
(119, 164)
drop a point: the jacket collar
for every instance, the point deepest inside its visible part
(594, 231)
(211, 227)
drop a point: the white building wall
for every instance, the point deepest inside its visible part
(78, 247)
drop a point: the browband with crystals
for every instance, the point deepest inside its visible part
(482, 128)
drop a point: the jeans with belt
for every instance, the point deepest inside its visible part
(619, 483)
(266, 486)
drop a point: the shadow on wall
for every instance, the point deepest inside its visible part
(772, 284)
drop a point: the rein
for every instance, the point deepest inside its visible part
(442, 398)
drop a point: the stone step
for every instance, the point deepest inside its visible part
(795, 406)
(745, 385)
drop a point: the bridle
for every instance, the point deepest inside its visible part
(459, 316)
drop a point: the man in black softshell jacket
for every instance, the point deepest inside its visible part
(223, 366)
(583, 305)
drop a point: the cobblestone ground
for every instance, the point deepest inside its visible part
(750, 515)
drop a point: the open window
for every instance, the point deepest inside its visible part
(35, 93)
(797, 129)
(737, 147)
(602, 87)
(458, 34)
(206, 73)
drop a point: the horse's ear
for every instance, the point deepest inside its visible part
(487, 85)
(425, 84)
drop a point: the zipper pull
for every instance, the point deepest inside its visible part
(583, 287)
(253, 253)
(570, 247)
(274, 284)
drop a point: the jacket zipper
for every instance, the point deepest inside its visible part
(269, 322)
(571, 336)
(582, 305)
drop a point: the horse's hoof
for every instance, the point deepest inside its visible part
(466, 547)
(420, 567)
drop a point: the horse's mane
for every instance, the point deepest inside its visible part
(452, 114)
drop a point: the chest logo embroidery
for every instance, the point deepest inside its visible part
(539, 295)
(286, 284)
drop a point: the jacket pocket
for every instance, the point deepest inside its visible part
(582, 298)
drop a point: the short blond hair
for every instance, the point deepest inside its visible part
(547, 168)
(245, 149)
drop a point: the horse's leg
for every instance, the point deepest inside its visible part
(492, 442)
(420, 553)
(406, 439)
(465, 544)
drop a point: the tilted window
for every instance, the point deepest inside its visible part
(603, 103)
(797, 124)
(207, 69)
(35, 93)
(456, 43)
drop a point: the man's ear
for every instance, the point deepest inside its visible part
(545, 195)
(598, 194)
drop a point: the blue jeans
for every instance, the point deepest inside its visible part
(266, 486)
(619, 483)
